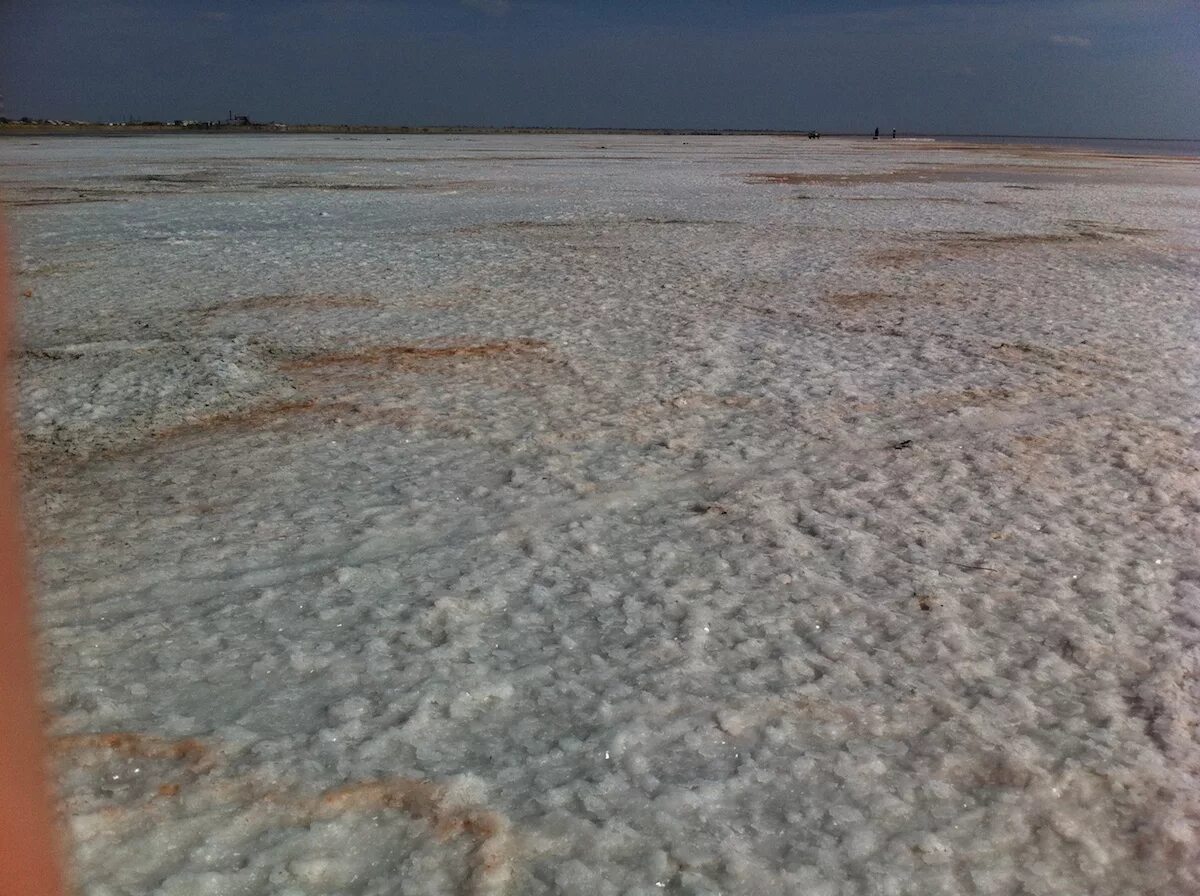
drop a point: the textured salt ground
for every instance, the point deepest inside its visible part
(620, 525)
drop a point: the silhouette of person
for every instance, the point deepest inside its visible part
(876, 137)
(893, 133)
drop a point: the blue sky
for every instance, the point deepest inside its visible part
(1070, 67)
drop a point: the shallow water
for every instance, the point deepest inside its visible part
(1134, 146)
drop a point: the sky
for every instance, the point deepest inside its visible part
(1036, 67)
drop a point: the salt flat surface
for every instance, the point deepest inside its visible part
(614, 515)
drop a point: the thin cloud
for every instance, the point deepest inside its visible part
(1070, 40)
(490, 7)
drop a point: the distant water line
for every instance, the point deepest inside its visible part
(1136, 146)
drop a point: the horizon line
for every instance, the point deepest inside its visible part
(30, 121)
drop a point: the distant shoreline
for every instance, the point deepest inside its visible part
(119, 130)
(1173, 147)
(38, 128)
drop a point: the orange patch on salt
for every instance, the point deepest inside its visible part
(400, 354)
(137, 746)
